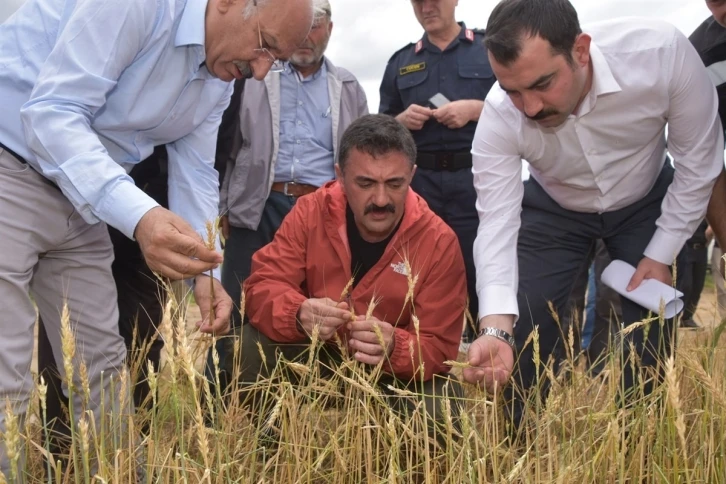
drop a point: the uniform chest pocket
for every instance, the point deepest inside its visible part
(476, 80)
(412, 88)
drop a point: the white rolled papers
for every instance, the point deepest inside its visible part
(649, 294)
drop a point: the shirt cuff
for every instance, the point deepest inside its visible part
(663, 247)
(124, 206)
(497, 299)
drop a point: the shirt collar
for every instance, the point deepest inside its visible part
(603, 81)
(461, 38)
(290, 70)
(191, 26)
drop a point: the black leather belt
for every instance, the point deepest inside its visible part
(444, 160)
(17, 156)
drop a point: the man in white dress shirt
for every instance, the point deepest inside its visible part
(588, 111)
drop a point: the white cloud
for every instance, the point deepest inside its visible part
(368, 32)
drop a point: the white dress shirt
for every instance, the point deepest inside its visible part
(607, 155)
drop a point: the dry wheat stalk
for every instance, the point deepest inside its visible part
(12, 440)
(68, 346)
(211, 243)
(674, 398)
(85, 386)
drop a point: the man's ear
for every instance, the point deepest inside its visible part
(338, 172)
(581, 50)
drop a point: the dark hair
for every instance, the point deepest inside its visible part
(376, 135)
(512, 20)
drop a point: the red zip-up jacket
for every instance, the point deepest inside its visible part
(310, 258)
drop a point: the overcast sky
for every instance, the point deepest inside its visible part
(367, 32)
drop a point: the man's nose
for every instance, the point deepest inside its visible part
(260, 67)
(532, 105)
(380, 197)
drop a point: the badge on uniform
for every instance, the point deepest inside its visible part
(412, 68)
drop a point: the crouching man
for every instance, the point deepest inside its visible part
(367, 226)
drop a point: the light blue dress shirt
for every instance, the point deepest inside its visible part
(306, 129)
(89, 87)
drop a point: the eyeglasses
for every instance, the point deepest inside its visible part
(275, 64)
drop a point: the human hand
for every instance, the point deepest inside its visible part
(222, 305)
(369, 347)
(491, 362)
(457, 114)
(325, 313)
(171, 247)
(650, 269)
(414, 117)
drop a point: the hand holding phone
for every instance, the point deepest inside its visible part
(438, 100)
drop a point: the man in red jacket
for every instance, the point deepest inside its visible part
(365, 236)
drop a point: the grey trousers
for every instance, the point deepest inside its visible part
(50, 252)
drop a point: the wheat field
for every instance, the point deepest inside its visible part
(578, 435)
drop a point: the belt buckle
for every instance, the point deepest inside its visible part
(446, 161)
(284, 188)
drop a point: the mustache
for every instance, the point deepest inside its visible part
(375, 208)
(542, 114)
(244, 68)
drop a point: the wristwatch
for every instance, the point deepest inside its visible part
(498, 334)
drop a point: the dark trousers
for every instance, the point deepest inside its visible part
(554, 245)
(262, 397)
(691, 267)
(238, 251)
(608, 313)
(451, 196)
(141, 305)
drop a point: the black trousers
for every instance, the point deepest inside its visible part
(608, 312)
(432, 393)
(554, 245)
(140, 303)
(691, 276)
(451, 196)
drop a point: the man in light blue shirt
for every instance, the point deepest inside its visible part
(289, 129)
(89, 87)
(306, 128)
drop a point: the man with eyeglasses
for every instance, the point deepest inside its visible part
(89, 89)
(288, 135)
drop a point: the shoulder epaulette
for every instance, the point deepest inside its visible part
(479, 31)
(407, 46)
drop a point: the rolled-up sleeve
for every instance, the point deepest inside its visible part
(99, 41)
(497, 169)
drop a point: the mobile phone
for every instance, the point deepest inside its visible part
(438, 100)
